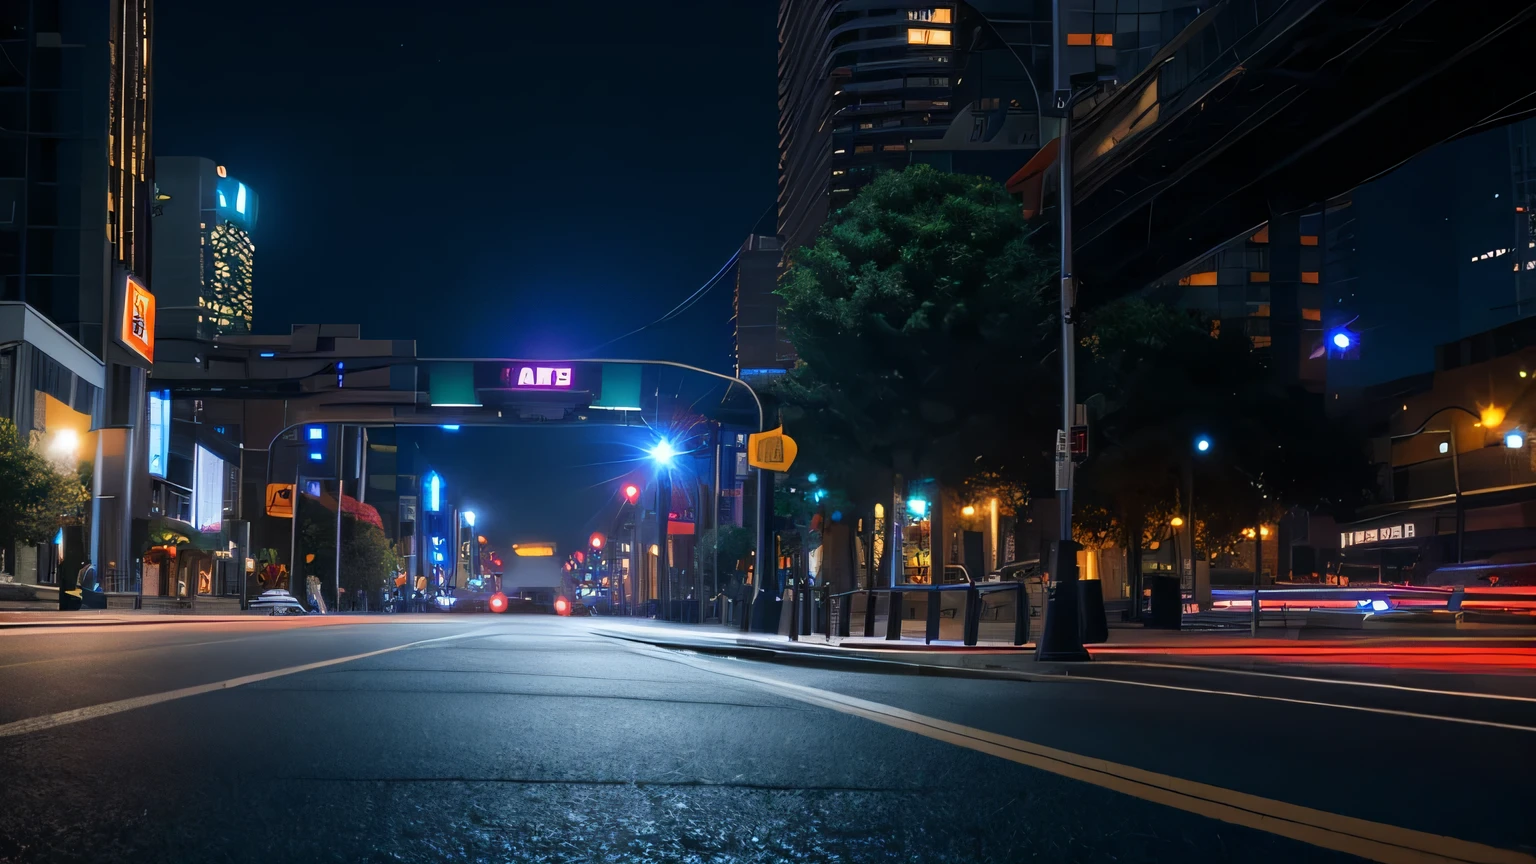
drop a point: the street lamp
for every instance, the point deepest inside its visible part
(662, 453)
(1489, 417)
(469, 518)
(1514, 439)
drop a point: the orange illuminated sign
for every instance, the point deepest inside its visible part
(139, 320)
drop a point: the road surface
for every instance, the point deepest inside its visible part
(481, 738)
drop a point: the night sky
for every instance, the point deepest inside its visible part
(489, 178)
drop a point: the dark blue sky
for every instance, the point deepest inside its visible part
(492, 177)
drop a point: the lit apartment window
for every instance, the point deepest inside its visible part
(867, 125)
(929, 36)
(864, 148)
(894, 148)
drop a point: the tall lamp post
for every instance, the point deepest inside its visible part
(1490, 417)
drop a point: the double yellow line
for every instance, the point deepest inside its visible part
(1373, 841)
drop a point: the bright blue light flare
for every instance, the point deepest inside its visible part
(450, 427)
(469, 518)
(1203, 444)
(837, 515)
(316, 457)
(918, 507)
(812, 477)
(1380, 606)
(316, 433)
(1342, 340)
(240, 199)
(434, 486)
(663, 453)
(269, 353)
(1514, 440)
(819, 494)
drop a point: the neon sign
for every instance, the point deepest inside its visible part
(536, 376)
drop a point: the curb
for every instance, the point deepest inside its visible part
(836, 658)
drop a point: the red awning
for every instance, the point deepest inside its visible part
(1029, 182)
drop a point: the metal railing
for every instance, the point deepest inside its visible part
(1001, 611)
(119, 582)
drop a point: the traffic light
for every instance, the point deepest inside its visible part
(596, 540)
(631, 493)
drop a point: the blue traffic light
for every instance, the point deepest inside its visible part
(663, 453)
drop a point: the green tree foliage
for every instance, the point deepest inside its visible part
(919, 298)
(35, 499)
(1160, 378)
(368, 562)
(735, 546)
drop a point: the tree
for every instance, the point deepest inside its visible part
(735, 546)
(368, 562)
(1160, 376)
(918, 298)
(35, 499)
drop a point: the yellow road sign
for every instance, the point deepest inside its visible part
(771, 450)
(280, 500)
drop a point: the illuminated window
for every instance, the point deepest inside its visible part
(838, 172)
(1206, 278)
(1258, 276)
(867, 125)
(1309, 239)
(929, 36)
(864, 148)
(1311, 314)
(1309, 277)
(1104, 40)
(1262, 311)
(1077, 39)
(894, 148)
(1262, 236)
(932, 16)
(240, 199)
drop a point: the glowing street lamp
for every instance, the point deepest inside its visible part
(469, 518)
(1203, 444)
(1177, 521)
(1514, 440)
(663, 453)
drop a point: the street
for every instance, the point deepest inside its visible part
(483, 738)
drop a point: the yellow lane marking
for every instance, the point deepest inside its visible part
(77, 715)
(1370, 840)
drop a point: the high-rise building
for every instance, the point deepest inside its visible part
(76, 312)
(762, 348)
(204, 249)
(962, 86)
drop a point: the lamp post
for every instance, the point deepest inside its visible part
(1490, 417)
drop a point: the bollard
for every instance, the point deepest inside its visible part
(870, 605)
(932, 631)
(893, 620)
(972, 615)
(844, 615)
(1020, 615)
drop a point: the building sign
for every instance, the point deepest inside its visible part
(139, 320)
(207, 491)
(1404, 531)
(159, 431)
(555, 377)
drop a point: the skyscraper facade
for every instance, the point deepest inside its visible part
(204, 249)
(76, 199)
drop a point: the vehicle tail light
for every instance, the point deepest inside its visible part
(562, 606)
(498, 602)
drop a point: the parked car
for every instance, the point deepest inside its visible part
(277, 602)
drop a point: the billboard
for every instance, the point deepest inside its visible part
(138, 330)
(207, 491)
(159, 431)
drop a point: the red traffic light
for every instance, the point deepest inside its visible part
(562, 606)
(597, 540)
(498, 602)
(631, 493)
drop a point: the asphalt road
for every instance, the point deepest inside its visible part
(479, 738)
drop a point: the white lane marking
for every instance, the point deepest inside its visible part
(1342, 706)
(1374, 841)
(1429, 691)
(77, 715)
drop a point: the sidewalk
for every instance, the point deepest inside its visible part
(1515, 654)
(129, 617)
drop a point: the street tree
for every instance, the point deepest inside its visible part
(921, 319)
(35, 498)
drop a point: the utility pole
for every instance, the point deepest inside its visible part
(1062, 636)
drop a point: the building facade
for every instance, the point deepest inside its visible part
(76, 200)
(204, 249)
